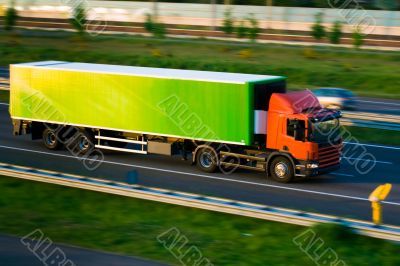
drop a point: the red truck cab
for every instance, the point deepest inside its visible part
(309, 134)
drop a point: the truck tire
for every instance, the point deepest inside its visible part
(84, 142)
(50, 139)
(207, 160)
(281, 169)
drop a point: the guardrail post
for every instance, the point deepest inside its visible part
(378, 195)
(376, 212)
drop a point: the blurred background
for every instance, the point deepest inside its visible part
(294, 38)
(347, 52)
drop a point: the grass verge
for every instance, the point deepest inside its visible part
(365, 72)
(131, 226)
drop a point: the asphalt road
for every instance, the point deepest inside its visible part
(344, 192)
(14, 253)
(4, 72)
(381, 106)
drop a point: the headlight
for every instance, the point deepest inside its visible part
(312, 165)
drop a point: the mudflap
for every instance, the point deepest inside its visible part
(17, 127)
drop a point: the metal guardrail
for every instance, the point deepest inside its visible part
(259, 211)
(115, 27)
(4, 84)
(371, 120)
(372, 117)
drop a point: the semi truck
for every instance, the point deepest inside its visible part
(220, 121)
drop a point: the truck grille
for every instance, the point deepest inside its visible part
(329, 155)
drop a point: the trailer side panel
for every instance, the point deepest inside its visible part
(203, 110)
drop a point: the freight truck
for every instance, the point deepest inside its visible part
(218, 120)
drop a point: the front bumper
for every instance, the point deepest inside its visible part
(302, 171)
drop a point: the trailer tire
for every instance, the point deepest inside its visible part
(281, 169)
(50, 139)
(207, 160)
(84, 142)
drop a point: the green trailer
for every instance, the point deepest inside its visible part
(186, 104)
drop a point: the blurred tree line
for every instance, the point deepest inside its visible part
(367, 4)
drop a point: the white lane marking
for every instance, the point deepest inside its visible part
(203, 175)
(386, 103)
(373, 145)
(358, 159)
(342, 174)
(4, 104)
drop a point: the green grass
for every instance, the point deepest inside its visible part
(131, 226)
(365, 72)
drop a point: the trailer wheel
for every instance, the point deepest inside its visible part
(84, 142)
(281, 170)
(50, 139)
(207, 160)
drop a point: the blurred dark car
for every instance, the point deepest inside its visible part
(336, 98)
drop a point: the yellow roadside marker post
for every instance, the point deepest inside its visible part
(379, 194)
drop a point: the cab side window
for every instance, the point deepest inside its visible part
(295, 125)
(290, 127)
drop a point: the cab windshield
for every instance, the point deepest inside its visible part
(322, 131)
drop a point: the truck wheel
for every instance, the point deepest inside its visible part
(84, 142)
(281, 170)
(206, 159)
(50, 139)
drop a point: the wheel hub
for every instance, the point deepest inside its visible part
(206, 160)
(51, 138)
(83, 143)
(281, 170)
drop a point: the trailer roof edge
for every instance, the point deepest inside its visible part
(165, 73)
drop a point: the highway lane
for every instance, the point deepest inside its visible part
(342, 193)
(4, 72)
(382, 106)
